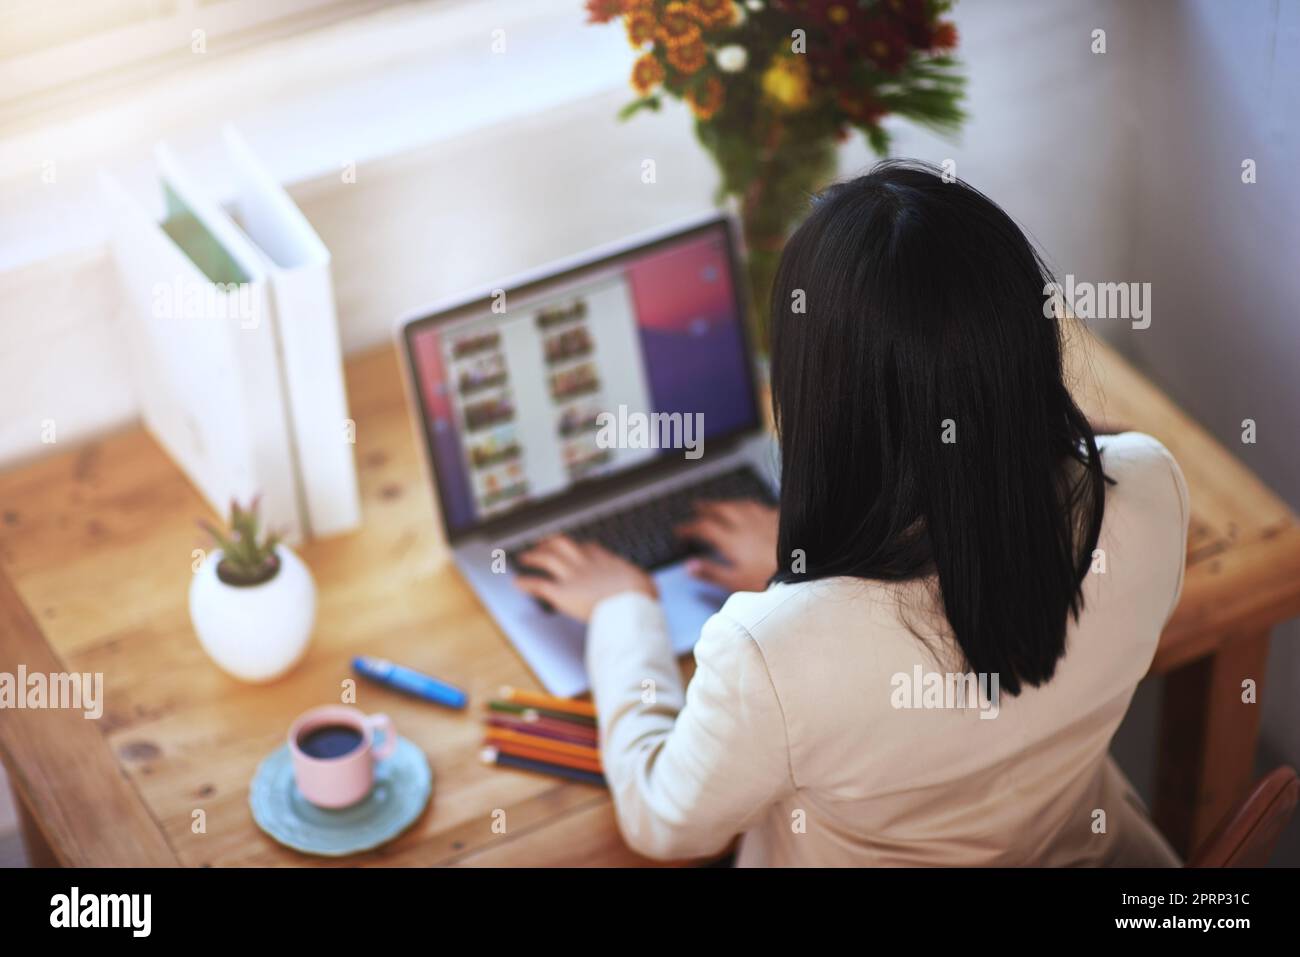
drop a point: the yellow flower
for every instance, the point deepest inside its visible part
(706, 98)
(785, 82)
(640, 27)
(647, 74)
(690, 58)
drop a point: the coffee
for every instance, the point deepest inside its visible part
(330, 741)
(334, 751)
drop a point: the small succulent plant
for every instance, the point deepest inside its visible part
(247, 556)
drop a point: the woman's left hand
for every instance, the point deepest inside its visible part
(582, 575)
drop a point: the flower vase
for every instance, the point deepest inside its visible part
(773, 203)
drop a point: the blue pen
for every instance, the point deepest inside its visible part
(409, 681)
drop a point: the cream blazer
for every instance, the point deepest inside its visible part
(806, 730)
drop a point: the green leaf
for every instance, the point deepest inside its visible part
(644, 103)
(243, 554)
(222, 540)
(878, 139)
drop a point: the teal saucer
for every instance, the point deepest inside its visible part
(403, 783)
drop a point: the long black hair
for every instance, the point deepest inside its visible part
(926, 427)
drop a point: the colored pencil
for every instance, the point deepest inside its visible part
(544, 744)
(532, 719)
(535, 754)
(540, 731)
(494, 756)
(538, 700)
(512, 707)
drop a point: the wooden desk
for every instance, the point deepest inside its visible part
(97, 544)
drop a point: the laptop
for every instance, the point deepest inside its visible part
(601, 397)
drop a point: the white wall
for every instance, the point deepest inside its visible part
(1220, 83)
(494, 201)
(509, 198)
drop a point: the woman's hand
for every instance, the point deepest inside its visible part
(583, 574)
(744, 534)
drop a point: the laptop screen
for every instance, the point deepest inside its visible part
(514, 388)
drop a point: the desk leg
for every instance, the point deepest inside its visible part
(1207, 740)
(36, 847)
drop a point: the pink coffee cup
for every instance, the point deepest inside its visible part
(334, 753)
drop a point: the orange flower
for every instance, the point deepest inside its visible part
(677, 27)
(706, 98)
(712, 13)
(945, 36)
(647, 74)
(602, 11)
(640, 27)
(689, 58)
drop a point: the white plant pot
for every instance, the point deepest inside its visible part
(254, 632)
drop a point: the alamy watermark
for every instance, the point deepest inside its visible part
(59, 690)
(133, 912)
(1094, 300)
(651, 430)
(184, 299)
(946, 691)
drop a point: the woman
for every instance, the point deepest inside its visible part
(945, 511)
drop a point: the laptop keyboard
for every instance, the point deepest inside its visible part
(644, 533)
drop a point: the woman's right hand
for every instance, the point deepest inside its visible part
(743, 533)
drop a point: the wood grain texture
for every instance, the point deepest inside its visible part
(36, 848)
(1242, 590)
(1206, 751)
(82, 811)
(98, 542)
